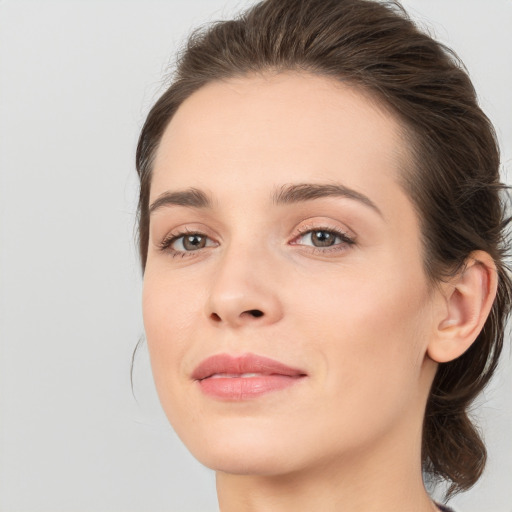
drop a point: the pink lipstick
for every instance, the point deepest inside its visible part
(243, 377)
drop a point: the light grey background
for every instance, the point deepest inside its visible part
(76, 80)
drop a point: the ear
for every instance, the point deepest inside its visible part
(467, 300)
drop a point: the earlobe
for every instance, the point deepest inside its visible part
(467, 302)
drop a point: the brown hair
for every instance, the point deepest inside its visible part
(454, 182)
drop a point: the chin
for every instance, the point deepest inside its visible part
(244, 451)
(252, 463)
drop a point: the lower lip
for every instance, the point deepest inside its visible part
(244, 388)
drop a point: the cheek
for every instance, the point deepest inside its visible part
(170, 305)
(371, 331)
(170, 312)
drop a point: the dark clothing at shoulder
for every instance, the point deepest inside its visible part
(444, 508)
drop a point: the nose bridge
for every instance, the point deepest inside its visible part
(243, 291)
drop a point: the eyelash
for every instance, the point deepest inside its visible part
(346, 240)
(165, 244)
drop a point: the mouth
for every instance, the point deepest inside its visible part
(244, 377)
(234, 375)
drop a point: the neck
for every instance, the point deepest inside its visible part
(387, 477)
(322, 489)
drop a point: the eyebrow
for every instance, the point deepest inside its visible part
(295, 193)
(287, 194)
(192, 197)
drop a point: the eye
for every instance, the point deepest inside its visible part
(186, 242)
(322, 237)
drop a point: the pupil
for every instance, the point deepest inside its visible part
(193, 242)
(323, 238)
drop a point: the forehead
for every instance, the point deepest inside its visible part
(284, 127)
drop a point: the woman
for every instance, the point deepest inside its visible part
(322, 241)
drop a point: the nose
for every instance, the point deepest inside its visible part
(244, 290)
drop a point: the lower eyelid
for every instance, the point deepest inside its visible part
(337, 248)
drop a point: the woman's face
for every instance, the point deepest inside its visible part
(279, 230)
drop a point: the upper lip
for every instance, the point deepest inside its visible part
(246, 363)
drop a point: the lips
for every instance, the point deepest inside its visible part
(224, 364)
(243, 377)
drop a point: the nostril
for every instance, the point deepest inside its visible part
(254, 313)
(215, 317)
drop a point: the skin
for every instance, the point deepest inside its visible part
(359, 318)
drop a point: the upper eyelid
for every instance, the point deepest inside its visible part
(303, 227)
(308, 229)
(173, 237)
(298, 231)
(322, 225)
(186, 229)
(346, 238)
